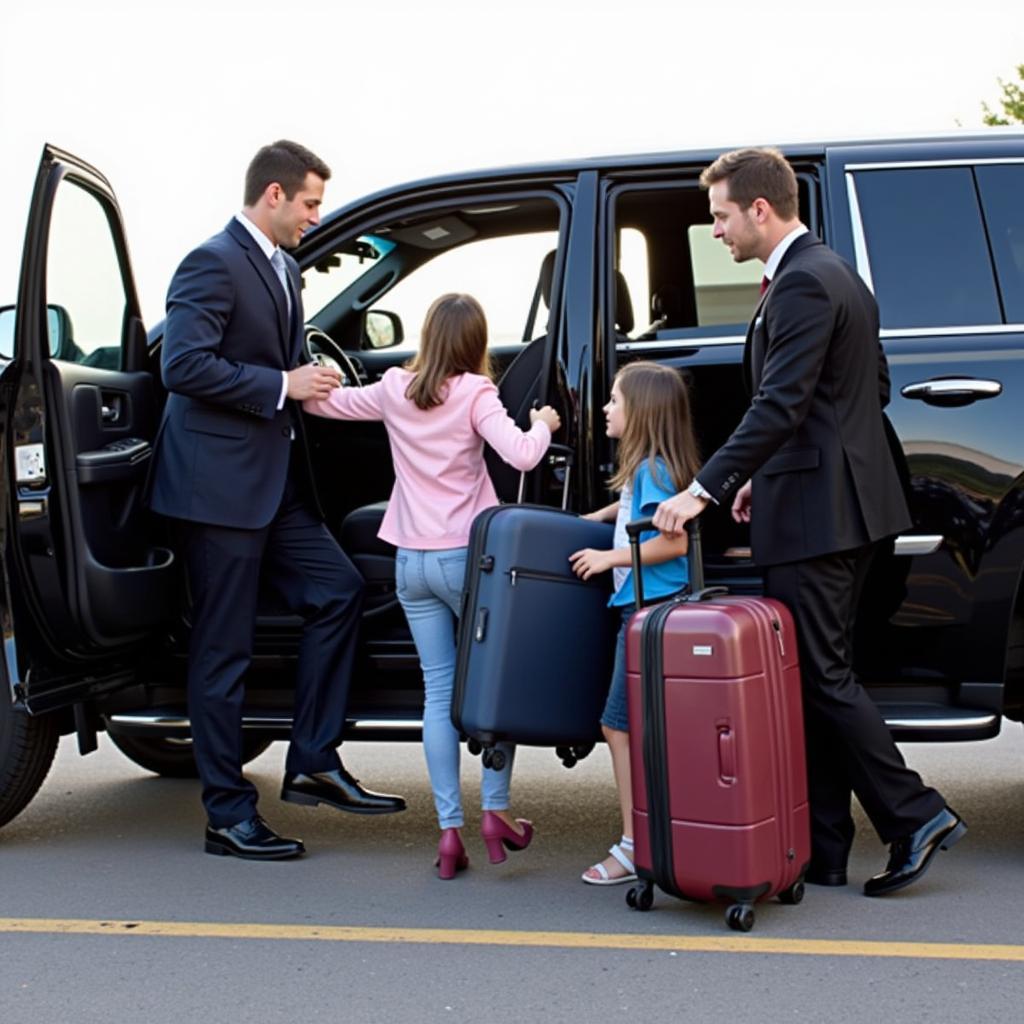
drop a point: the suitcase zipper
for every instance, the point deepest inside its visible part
(655, 749)
(517, 573)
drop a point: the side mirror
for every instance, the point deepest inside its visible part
(58, 326)
(381, 329)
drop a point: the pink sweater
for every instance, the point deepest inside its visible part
(441, 481)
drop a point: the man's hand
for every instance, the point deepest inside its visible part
(673, 514)
(588, 562)
(312, 381)
(741, 503)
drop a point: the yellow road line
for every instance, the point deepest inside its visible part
(559, 940)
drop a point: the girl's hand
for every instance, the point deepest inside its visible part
(589, 562)
(548, 416)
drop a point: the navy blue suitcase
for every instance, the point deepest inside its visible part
(536, 643)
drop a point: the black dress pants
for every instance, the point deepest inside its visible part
(299, 556)
(849, 746)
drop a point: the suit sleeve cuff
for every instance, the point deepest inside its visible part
(284, 389)
(698, 490)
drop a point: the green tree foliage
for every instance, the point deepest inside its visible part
(1012, 102)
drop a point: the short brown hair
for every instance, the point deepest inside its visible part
(657, 424)
(453, 341)
(756, 174)
(285, 162)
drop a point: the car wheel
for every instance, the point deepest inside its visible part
(27, 746)
(173, 758)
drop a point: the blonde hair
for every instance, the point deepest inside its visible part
(657, 425)
(453, 341)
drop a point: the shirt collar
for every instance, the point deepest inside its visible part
(772, 264)
(261, 239)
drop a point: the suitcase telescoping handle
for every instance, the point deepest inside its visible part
(557, 455)
(694, 561)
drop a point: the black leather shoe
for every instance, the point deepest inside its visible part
(338, 789)
(252, 840)
(825, 876)
(911, 856)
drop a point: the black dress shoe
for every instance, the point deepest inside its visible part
(338, 789)
(825, 876)
(252, 840)
(910, 857)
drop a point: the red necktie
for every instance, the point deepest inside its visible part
(765, 281)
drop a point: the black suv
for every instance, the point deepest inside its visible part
(581, 267)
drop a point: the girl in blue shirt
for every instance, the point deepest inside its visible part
(649, 413)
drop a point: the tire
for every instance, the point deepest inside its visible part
(27, 746)
(172, 758)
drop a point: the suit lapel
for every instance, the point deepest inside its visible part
(268, 276)
(753, 350)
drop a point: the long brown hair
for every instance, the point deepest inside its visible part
(657, 424)
(453, 341)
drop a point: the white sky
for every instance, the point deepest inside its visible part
(170, 101)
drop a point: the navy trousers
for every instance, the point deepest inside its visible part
(317, 580)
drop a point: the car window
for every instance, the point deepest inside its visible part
(1002, 198)
(926, 245)
(501, 273)
(85, 291)
(324, 280)
(726, 291)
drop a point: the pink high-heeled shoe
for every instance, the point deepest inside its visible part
(499, 837)
(451, 854)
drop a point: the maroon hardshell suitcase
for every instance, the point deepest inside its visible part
(716, 747)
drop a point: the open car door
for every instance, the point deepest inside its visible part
(88, 585)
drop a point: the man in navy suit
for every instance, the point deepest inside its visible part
(232, 468)
(809, 467)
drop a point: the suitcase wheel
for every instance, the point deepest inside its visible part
(641, 897)
(793, 895)
(493, 759)
(567, 755)
(740, 917)
(474, 746)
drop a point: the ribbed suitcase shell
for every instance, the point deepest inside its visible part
(717, 751)
(535, 642)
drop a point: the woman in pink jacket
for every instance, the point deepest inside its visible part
(439, 410)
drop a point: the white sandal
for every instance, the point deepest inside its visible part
(622, 851)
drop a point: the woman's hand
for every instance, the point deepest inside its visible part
(589, 562)
(548, 415)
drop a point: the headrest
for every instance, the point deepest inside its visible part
(623, 305)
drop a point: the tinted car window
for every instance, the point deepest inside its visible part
(927, 249)
(1002, 198)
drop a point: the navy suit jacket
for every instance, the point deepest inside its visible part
(222, 451)
(813, 439)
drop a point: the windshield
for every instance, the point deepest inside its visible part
(333, 274)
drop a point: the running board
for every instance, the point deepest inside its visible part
(173, 723)
(939, 723)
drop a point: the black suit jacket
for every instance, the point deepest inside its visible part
(223, 447)
(813, 439)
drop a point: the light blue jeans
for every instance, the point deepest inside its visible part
(430, 589)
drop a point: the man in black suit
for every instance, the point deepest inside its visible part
(231, 467)
(810, 469)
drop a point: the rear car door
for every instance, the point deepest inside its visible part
(935, 230)
(89, 585)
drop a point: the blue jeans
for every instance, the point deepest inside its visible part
(430, 589)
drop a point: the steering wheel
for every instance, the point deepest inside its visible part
(323, 349)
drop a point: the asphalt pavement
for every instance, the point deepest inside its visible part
(109, 910)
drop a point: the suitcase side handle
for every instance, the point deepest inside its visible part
(694, 561)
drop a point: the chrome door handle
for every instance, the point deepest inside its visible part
(952, 391)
